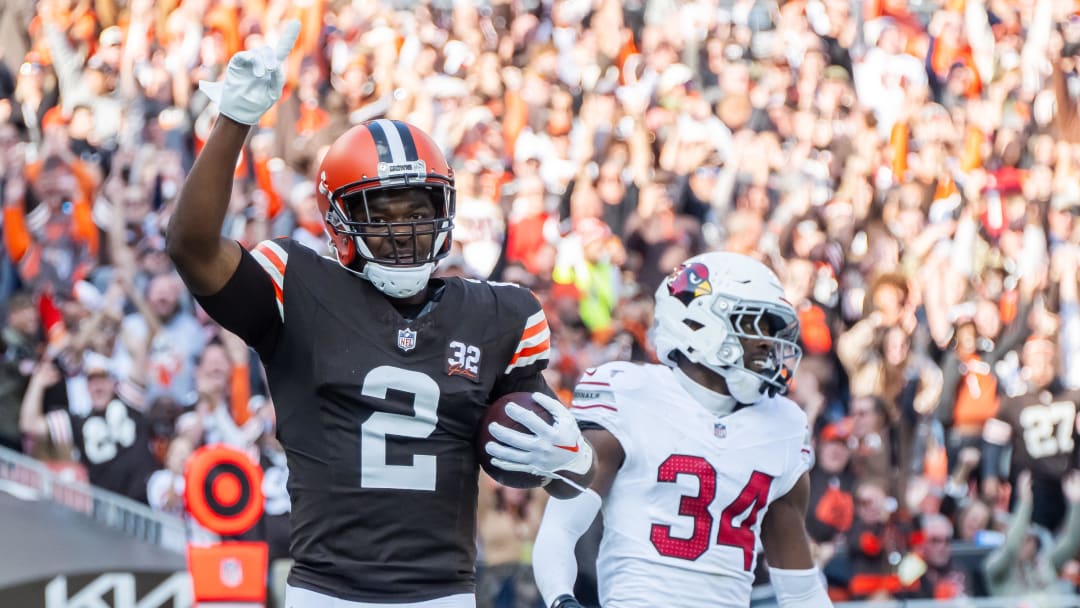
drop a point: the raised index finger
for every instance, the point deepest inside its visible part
(289, 35)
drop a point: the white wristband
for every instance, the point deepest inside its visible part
(799, 588)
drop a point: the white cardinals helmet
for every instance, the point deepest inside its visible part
(716, 304)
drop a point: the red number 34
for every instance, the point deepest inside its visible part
(753, 497)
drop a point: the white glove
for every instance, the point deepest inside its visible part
(253, 79)
(549, 450)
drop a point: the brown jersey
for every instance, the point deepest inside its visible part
(113, 444)
(377, 414)
(1040, 426)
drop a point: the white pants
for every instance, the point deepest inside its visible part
(295, 597)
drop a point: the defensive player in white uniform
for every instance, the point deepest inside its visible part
(698, 459)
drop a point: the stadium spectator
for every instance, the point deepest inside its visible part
(832, 505)
(1033, 422)
(874, 542)
(943, 578)
(21, 341)
(1030, 559)
(112, 438)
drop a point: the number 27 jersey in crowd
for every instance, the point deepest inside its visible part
(683, 517)
(377, 415)
(1041, 427)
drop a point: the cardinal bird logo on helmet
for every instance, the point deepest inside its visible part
(689, 281)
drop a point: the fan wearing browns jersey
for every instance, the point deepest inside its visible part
(379, 373)
(1038, 421)
(112, 439)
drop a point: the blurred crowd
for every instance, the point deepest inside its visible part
(911, 171)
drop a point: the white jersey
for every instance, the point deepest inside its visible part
(683, 519)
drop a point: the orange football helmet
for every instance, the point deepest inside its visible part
(376, 156)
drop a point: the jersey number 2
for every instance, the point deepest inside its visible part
(750, 501)
(374, 471)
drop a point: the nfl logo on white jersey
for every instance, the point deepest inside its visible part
(719, 430)
(406, 339)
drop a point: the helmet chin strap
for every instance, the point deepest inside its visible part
(394, 282)
(743, 386)
(398, 282)
(717, 403)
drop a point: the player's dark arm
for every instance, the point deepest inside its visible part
(795, 579)
(204, 258)
(783, 532)
(253, 83)
(227, 281)
(609, 457)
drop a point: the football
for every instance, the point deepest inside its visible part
(496, 412)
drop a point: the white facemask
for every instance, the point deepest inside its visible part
(743, 386)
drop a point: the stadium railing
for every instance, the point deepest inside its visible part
(33, 479)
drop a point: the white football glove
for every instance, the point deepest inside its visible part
(253, 79)
(551, 449)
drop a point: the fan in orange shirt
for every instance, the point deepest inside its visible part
(57, 243)
(949, 49)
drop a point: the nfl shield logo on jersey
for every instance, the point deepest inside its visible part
(406, 339)
(719, 430)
